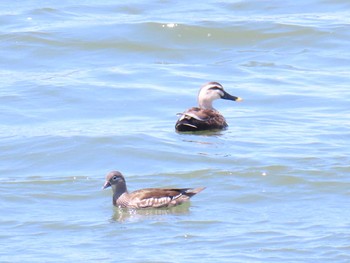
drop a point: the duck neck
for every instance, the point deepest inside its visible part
(118, 190)
(206, 104)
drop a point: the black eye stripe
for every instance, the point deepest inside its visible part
(215, 88)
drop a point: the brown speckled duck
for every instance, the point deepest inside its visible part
(146, 198)
(205, 117)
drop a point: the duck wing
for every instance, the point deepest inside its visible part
(194, 113)
(196, 119)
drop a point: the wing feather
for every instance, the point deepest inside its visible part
(157, 197)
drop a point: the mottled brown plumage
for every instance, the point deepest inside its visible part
(148, 197)
(197, 119)
(205, 117)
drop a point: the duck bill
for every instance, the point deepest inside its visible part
(106, 185)
(227, 96)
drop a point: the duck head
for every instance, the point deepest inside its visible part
(115, 180)
(212, 91)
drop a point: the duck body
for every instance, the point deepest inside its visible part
(205, 117)
(148, 197)
(155, 198)
(197, 119)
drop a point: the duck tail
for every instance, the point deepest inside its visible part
(192, 191)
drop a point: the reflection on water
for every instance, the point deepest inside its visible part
(206, 133)
(134, 215)
(201, 137)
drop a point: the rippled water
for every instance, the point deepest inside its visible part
(89, 87)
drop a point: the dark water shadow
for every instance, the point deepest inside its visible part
(217, 132)
(124, 215)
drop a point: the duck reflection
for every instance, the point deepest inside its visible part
(132, 215)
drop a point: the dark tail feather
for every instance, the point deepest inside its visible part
(192, 191)
(184, 125)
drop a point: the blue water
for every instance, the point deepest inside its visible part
(88, 87)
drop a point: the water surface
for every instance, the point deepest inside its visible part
(89, 87)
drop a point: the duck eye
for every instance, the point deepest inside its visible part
(115, 178)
